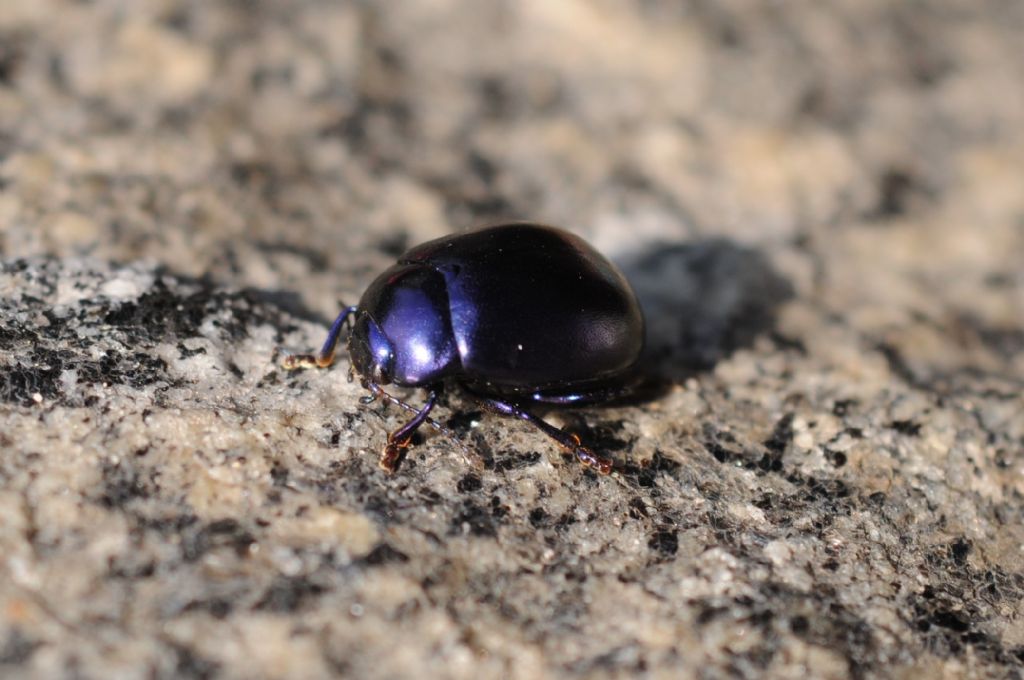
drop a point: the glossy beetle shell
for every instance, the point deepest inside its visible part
(515, 308)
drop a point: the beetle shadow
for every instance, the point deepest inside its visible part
(702, 301)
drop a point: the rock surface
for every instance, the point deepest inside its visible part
(820, 205)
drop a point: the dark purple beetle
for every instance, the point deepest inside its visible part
(513, 314)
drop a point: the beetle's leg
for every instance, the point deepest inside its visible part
(568, 440)
(325, 357)
(391, 399)
(376, 391)
(399, 440)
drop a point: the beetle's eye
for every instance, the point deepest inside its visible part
(383, 353)
(372, 353)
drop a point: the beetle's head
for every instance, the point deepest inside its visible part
(372, 354)
(403, 333)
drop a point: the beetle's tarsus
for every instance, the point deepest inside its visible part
(587, 456)
(392, 454)
(293, 362)
(325, 357)
(400, 439)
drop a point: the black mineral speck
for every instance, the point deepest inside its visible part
(17, 648)
(516, 460)
(837, 458)
(279, 473)
(474, 519)
(895, 188)
(383, 553)
(959, 550)
(538, 518)
(665, 542)
(193, 666)
(843, 407)
(225, 532)
(907, 428)
(218, 608)
(286, 594)
(781, 436)
(121, 484)
(469, 483)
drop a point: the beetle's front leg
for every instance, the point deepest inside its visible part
(325, 357)
(399, 440)
(377, 392)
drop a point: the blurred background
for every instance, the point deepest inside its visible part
(873, 148)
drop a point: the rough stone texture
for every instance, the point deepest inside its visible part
(820, 203)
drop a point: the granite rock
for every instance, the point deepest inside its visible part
(819, 205)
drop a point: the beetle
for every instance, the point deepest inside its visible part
(513, 314)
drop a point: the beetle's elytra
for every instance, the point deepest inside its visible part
(512, 314)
